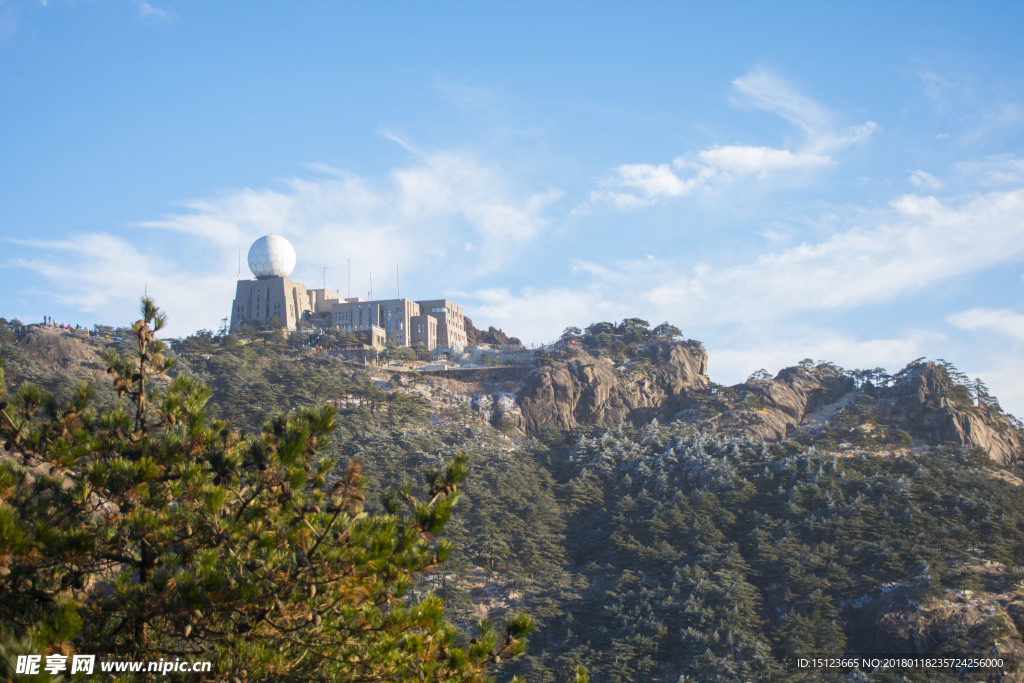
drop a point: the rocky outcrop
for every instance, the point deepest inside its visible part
(911, 619)
(50, 344)
(921, 400)
(774, 407)
(928, 407)
(1002, 444)
(492, 336)
(594, 391)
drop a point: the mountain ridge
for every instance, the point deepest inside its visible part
(668, 380)
(576, 386)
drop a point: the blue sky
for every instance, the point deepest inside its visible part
(843, 183)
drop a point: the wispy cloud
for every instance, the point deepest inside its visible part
(765, 90)
(979, 111)
(8, 19)
(877, 257)
(641, 184)
(541, 315)
(993, 119)
(759, 161)
(151, 13)
(417, 206)
(936, 86)
(919, 241)
(925, 180)
(105, 275)
(412, 216)
(776, 348)
(998, 170)
(1001, 321)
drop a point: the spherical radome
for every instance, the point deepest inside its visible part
(271, 256)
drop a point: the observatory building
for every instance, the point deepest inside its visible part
(435, 323)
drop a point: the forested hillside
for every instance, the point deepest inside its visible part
(656, 524)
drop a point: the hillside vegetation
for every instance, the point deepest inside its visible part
(653, 523)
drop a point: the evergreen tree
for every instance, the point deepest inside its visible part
(149, 531)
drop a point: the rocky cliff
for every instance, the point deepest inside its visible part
(931, 408)
(819, 403)
(594, 391)
(772, 408)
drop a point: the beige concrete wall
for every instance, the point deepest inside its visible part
(424, 330)
(258, 301)
(394, 316)
(321, 300)
(451, 323)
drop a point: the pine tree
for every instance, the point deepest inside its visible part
(150, 531)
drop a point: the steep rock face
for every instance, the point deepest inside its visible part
(925, 404)
(1005, 446)
(784, 401)
(594, 391)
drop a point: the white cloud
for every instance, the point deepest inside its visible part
(767, 91)
(1001, 321)
(651, 180)
(922, 241)
(759, 161)
(621, 200)
(431, 202)
(640, 184)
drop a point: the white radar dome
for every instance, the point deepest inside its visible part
(271, 256)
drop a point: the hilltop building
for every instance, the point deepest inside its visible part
(435, 323)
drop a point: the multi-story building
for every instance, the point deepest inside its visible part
(436, 323)
(451, 323)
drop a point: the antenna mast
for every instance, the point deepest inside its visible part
(371, 285)
(398, 284)
(348, 288)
